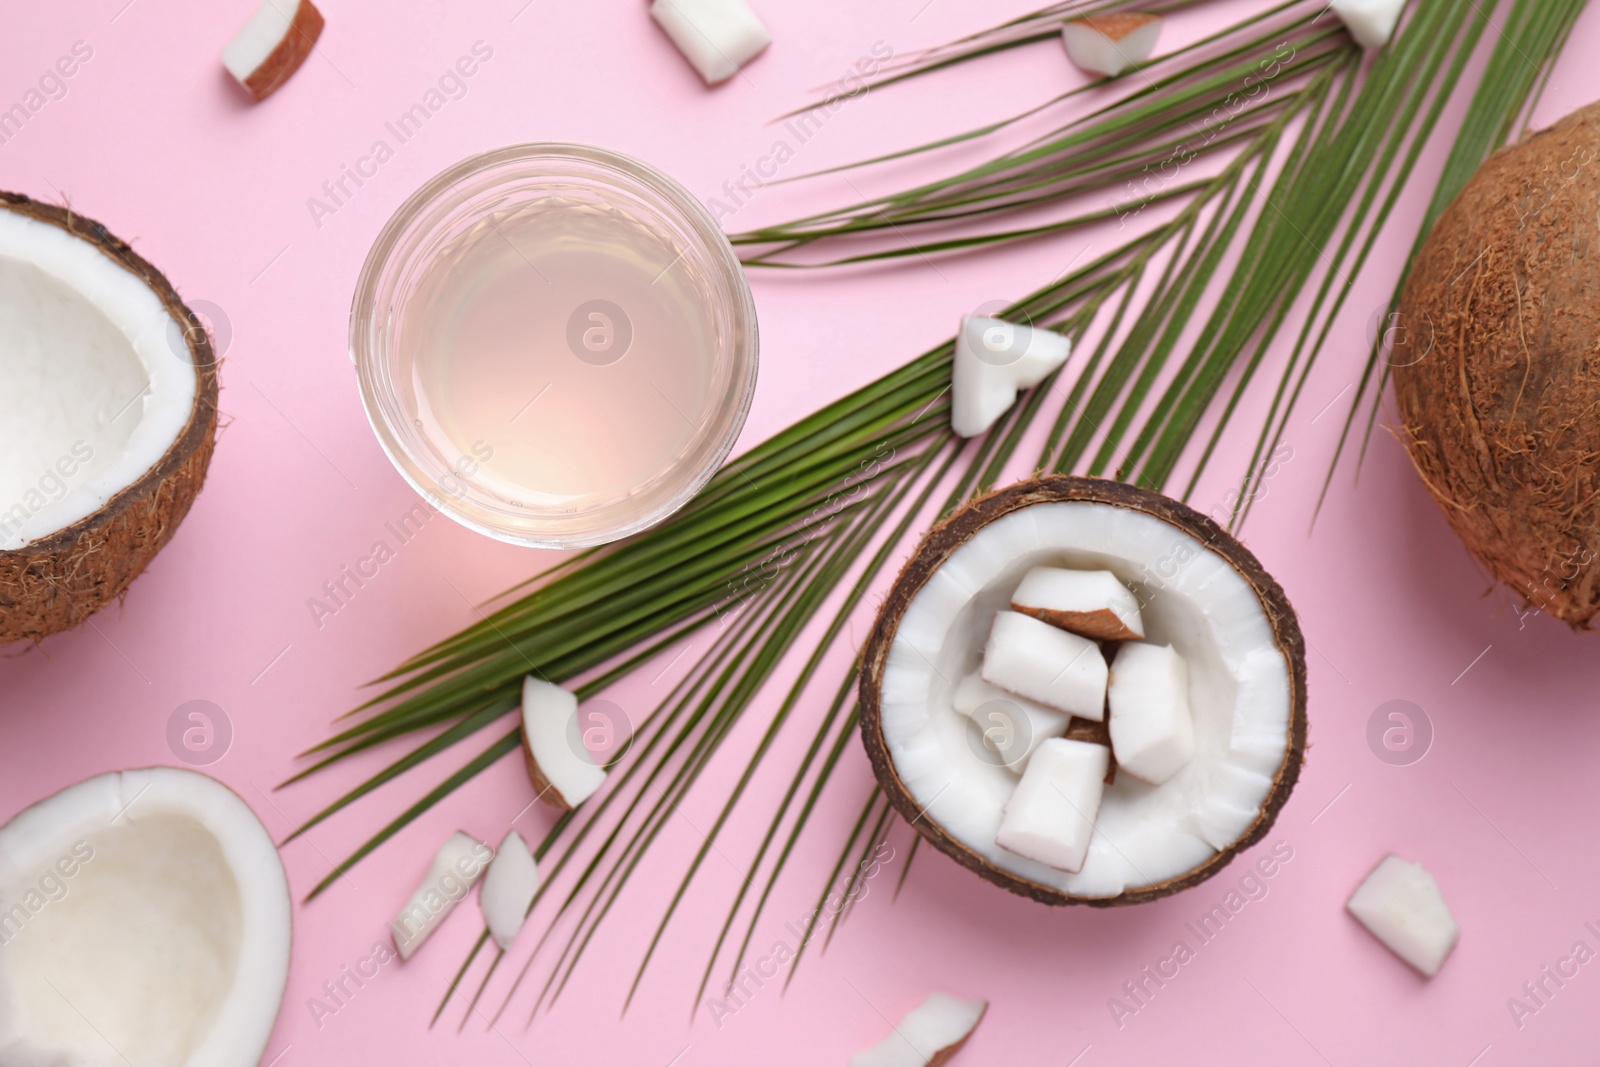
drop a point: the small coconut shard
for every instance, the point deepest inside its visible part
(107, 417)
(508, 889)
(153, 902)
(1493, 363)
(993, 361)
(1370, 22)
(1093, 604)
(456, 866)
(272, 45)
(1110, 44)
(1036, 660)
(1201, 594)
(929, 1035)
(1050, 818)
(1400, 903)
(560, 766)
(717, 37)
(1152, 731)
(1011, 726)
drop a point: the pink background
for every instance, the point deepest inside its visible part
(153, 140)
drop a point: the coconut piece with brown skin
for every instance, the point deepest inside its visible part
(1111, 43)
(561, 768)
(928, 1036)
(108, 416)
(1495, 374)
(1091, 603)
(269, 48)
(1202, 593)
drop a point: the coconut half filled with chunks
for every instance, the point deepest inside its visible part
(1086, 692)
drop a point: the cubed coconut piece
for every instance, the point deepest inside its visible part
(1051, 666)
(1050, 817)
(1152, 730)
(1110, 44)
(1370, 22)
(929, 1034)
(456, 866)
(272, 45)
(994, 360)
(561, 767)
(717, 37)
(1012, 726)
(1090, 603)
(1402, 906)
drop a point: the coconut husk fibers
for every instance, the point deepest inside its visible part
(957, 530)
(1498, 383)
(57, 582)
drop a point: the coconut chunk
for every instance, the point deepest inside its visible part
(1370, 22)
(1152, 730)
(929, 1034)
(1036, 660)
(455, 868)
(1400, 903)
(1050, 817)
(717, 37)
(1090, 603)
(1110, 44)
(1011, 725)
(272, 45)
(508, 889)
(559, 764)
(994, 360)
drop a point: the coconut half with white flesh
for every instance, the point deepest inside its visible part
(145, 920)
(108, 414)
(1200, 593)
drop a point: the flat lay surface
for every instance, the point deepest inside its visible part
(1448, 724)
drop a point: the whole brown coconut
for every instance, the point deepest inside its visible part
(56, 582)
(1498, 383)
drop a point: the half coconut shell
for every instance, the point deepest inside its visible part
(955, 532)
(58, 581)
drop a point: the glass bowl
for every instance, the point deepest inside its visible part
(452, 338)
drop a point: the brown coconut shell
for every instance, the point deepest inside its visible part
(957, 530)
(57, 582)
(1495, 368)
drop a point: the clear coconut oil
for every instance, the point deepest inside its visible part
(558, 349)
(560, 362)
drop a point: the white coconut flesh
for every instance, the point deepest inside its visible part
(1151, 729)
(1192, 600)
(508, 889)
(927, 1035)
(554, 746)
(450, 877)
(146, 920)
(1400, 903)
(1012, 726)
(1109, 45)
(993, 361)
(1370, 22)
(97, 381)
